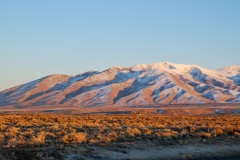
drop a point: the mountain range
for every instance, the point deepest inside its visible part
(143, 84)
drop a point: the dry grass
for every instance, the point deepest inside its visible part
(34, 130)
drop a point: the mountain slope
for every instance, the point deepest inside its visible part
(142, 84)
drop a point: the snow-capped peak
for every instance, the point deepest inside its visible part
(158, 65)
(235, 68)
(230, 70)
(156, 83)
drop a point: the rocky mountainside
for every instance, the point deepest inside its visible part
(142, 84)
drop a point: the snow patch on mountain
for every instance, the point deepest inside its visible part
(236, 79)
(12, 96)
(157, 83)
(139, 84)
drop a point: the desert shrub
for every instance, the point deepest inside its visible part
(39, 139)
(204, 134)
(93, 141)
(104, 139)
(16, 142)
(192, 129)
(113, 136)
(45, 129)
(184, 132)
(130, 134)
(214, 132)
(1, 138)
(219, 132)
(174, 134)
(176, 128)
(79, 137)
(167, 130)
(148, 132)
(238, 128)
(141, 126)
(229, 129)
(203, 127)
(28, 134)
(136, 132)
(160, 126)
(55, 127)
(3, 127)
(236, 134)
(166, 134)
(50, 135)
(11, 143)
(13, 131)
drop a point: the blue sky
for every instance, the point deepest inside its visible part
(39, 38)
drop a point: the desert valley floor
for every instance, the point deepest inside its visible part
(212, 133)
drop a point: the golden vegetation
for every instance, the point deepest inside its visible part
(34, 130)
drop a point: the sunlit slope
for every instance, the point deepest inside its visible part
(143, 84)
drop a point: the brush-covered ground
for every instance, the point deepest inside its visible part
(133, 136)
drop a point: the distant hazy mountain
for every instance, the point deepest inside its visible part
(142, 84)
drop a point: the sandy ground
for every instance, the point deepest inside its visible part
(224, 150)
(200, 109)
(148, 151)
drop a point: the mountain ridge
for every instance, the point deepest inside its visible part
(142, 84)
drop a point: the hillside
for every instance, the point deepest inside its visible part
(142, 84)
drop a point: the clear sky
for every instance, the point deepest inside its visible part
(39, 38)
